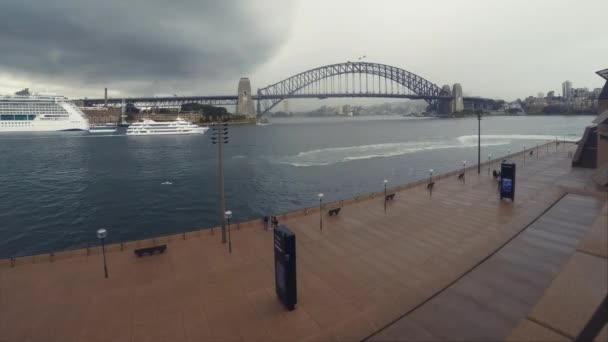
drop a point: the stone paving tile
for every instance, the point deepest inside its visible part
(490, 301)
(574, 295)
(527, 331)
(596, 242)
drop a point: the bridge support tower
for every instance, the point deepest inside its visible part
(244, 105)
(458, 101)
(446, 107)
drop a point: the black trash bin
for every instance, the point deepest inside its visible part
(285, 266)
(507, 181)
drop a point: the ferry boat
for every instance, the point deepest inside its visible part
(151, 127)
(262, 122)
(33, 113)
(103, 128)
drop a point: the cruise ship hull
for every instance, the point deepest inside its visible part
(46, 127)
(40, 114)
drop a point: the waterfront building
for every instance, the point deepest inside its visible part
(603, 96)
(567, 90)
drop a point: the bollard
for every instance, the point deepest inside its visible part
(184, 236)
(88, 251)
(12, 262)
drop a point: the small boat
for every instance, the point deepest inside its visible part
(151, 127)
(262, 122)
(108, 127)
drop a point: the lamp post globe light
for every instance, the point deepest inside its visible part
(320, 211)
(101, 235)
(228, 216)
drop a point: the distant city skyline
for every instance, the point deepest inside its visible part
(488, 47)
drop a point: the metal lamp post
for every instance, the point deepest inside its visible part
(228, 216)
(101, 235)
(489, 162)
(464, 168)
(320, 211)
(430, 185)
(385, 182)
(220, 137)
(478, 143)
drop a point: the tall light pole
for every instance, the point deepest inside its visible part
(385, 182)
(431, 184)
(228, 216)
(101, 235)
(464, 170)
(220, 137)
(478, 142)
(320, 211)
(489, 162)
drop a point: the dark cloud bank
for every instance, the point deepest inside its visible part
(92, 42)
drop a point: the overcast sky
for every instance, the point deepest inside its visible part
(500, 49)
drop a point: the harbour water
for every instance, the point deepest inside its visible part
(57, 189)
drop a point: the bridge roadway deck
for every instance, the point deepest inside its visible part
(365, 270)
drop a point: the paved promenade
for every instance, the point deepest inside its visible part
(364, 273)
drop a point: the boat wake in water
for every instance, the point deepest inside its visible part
(328, 156)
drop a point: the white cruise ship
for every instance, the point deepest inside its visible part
(151, 127)
(34, 113)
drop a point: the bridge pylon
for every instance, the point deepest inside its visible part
(446, 106)
(244, 104)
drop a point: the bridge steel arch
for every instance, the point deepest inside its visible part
(273, 94)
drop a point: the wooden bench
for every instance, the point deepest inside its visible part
(334, 211)
(150, 250)
(389, 197)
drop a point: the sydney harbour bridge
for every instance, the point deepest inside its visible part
(350, 79)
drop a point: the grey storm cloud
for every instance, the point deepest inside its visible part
(135, 40)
